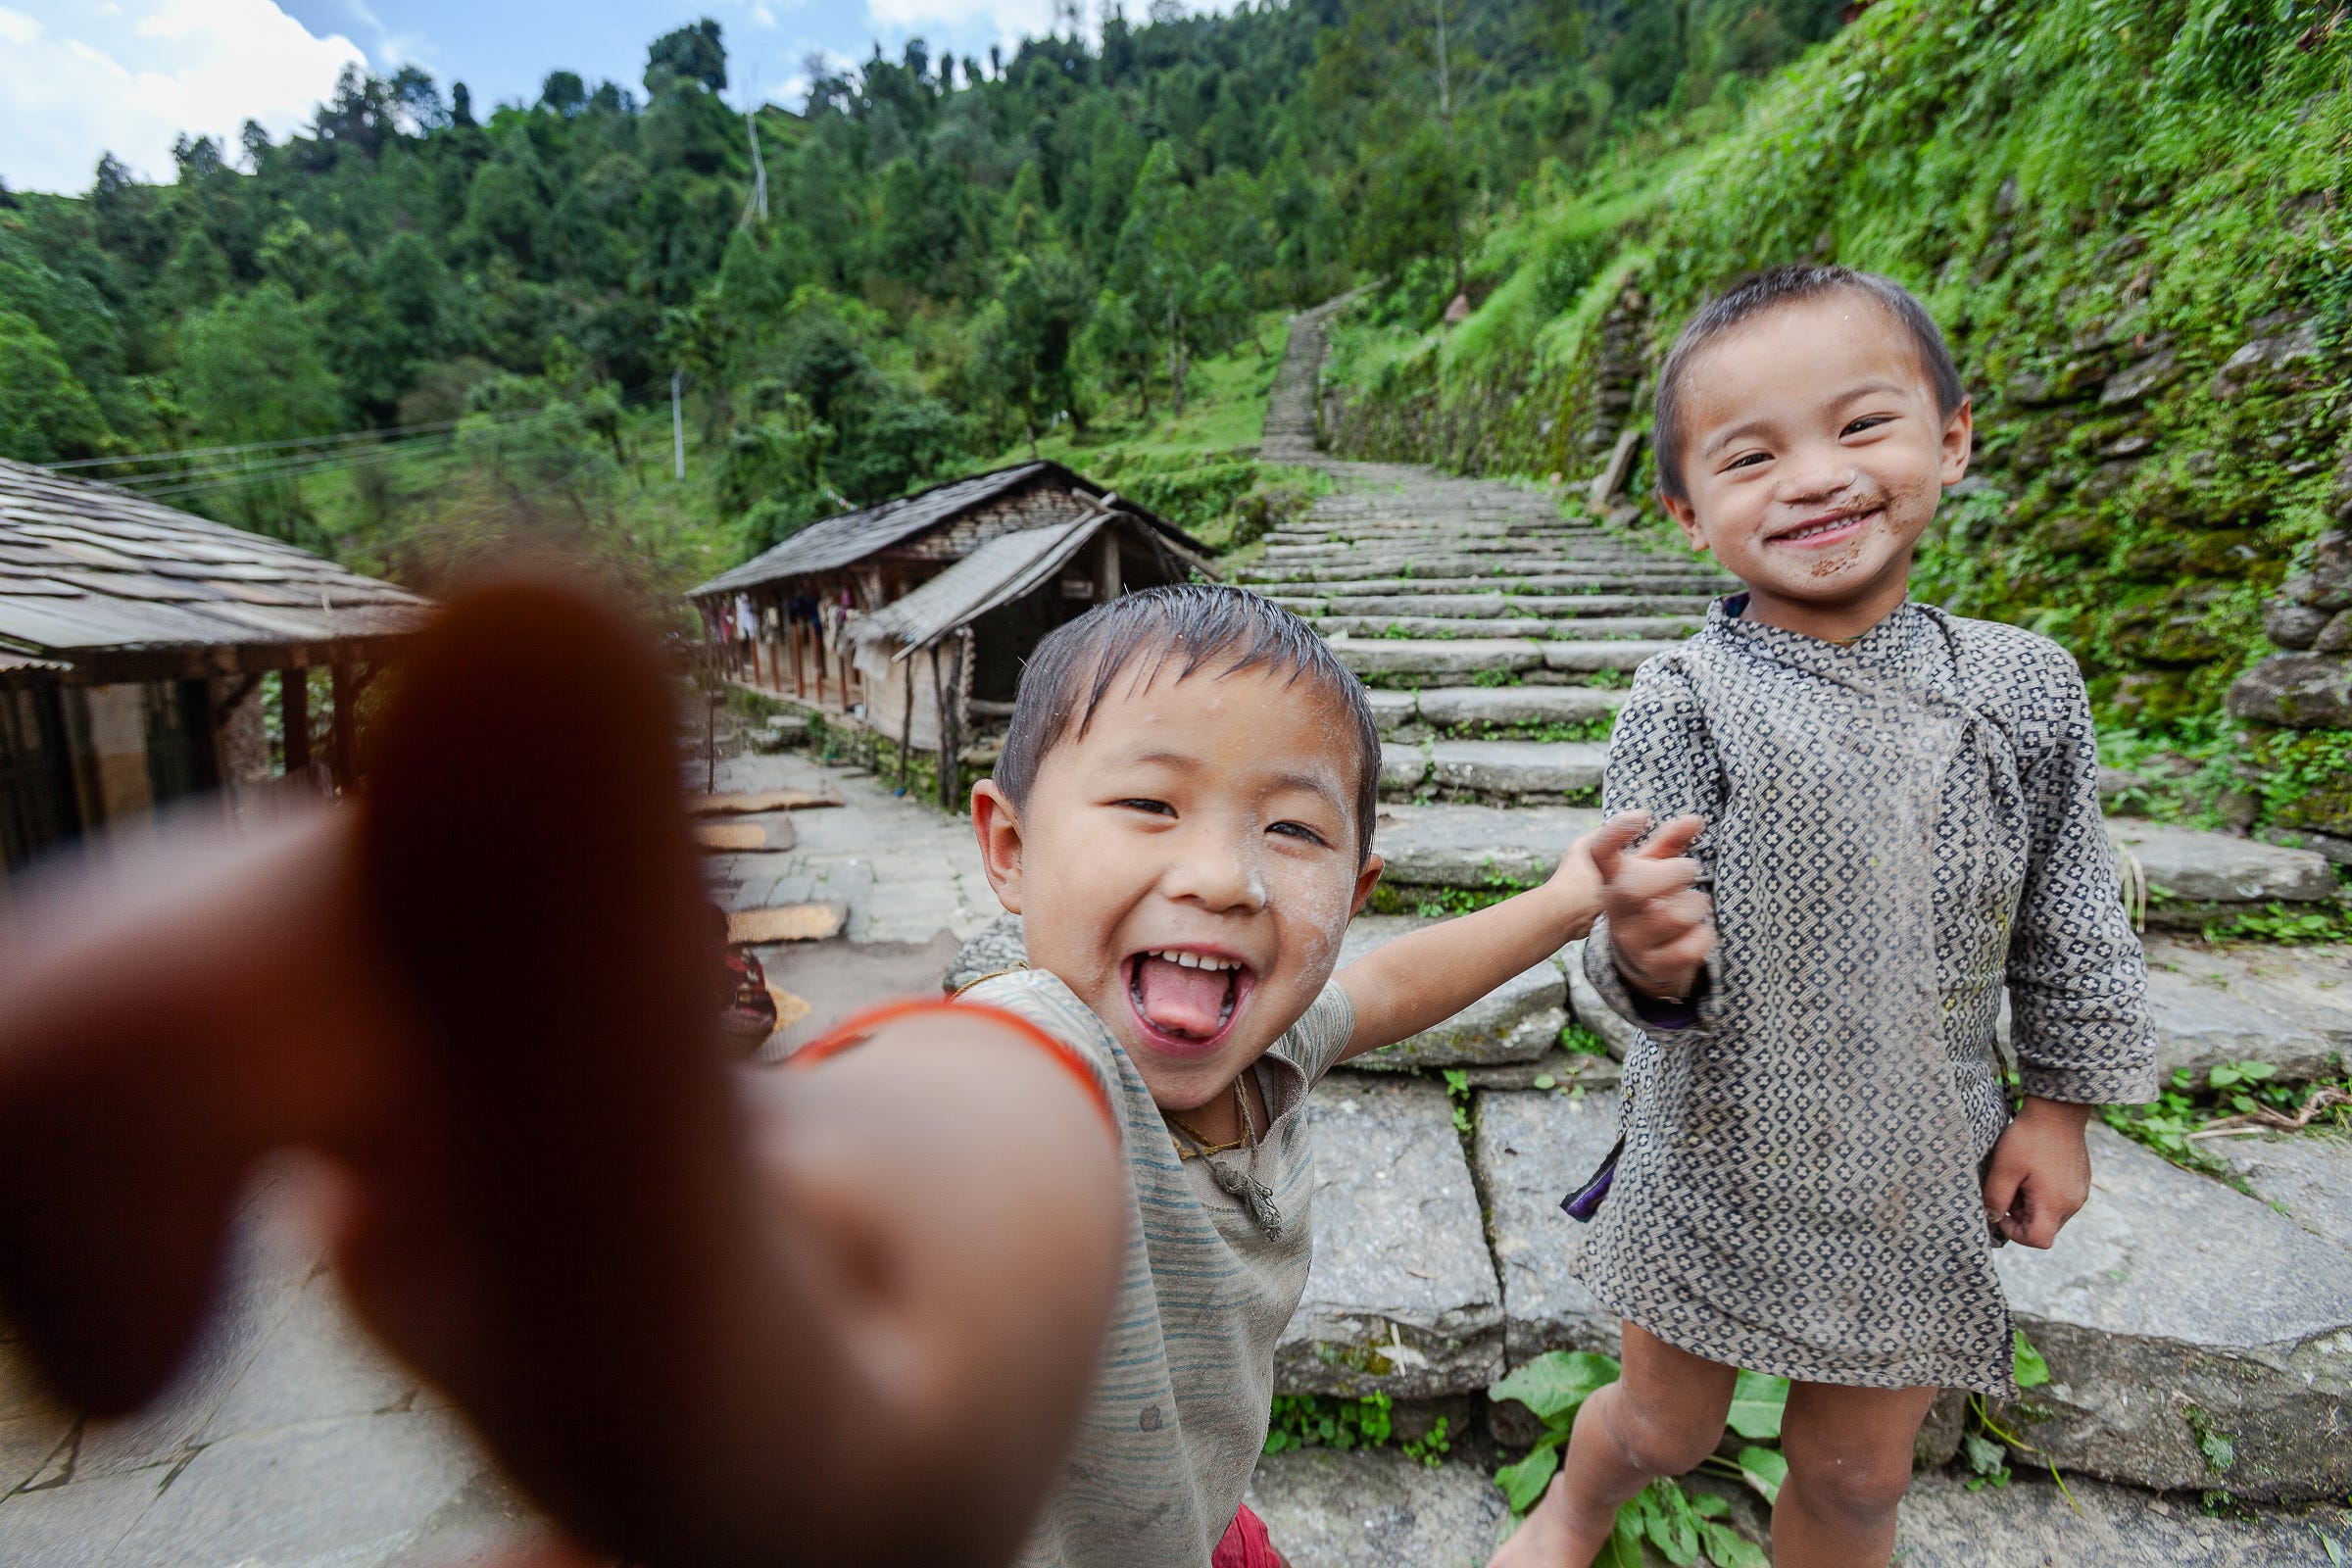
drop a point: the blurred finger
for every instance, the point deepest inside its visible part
(1673, 839)
(1607, 843)
(530, 873)
(164, 1019)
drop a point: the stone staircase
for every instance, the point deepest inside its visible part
(2176, 1308)
(1497, 635)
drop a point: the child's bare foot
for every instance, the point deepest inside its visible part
(1552, 1535)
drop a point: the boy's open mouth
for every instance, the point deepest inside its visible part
(1831, 530)
(1184, 999)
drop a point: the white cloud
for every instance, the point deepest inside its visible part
(74, 84)
(1001, 19)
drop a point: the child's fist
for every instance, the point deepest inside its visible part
(2039, 1174)
(1661, 928)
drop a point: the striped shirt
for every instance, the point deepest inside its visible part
(1178, 1414)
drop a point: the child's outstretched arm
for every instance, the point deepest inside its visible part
(655, 1283)
(1423, 979)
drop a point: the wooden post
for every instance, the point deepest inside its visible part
(1107, 587)
(791, 634)
(344, 762)
(294, 709)
(907, 720)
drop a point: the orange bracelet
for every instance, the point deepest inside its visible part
(865, 1024)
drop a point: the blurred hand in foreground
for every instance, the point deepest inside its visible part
(703, 1315)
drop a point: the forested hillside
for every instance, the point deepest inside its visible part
(2133, 218)
(931, 263)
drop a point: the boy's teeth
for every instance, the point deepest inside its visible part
(1191, 961)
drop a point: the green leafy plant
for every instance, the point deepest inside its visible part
(1686, 1528)
(1578, 1041)
(1325, 1421)
(1457, 1091)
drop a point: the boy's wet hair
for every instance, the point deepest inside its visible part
(1770, 290)
(1192, 625)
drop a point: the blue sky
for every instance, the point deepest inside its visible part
(78, 77)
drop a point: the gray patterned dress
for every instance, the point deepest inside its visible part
(1897, 828)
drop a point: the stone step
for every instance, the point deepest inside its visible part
(1606, 628)
(1511, 770)
(1519, 1021)
(2207, 872)
(1530, 1148)
(1649, 580)
(2307, 1176)
(1401, 1298)
(2178, 1315)
(2291, 1007)
(1490, 710)
(2194, 875)
(1497, 604)
(1376, 1509)
(1476, 847)
(1412, 661)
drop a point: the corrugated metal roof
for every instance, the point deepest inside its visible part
(88, 568)
(998, 572)
(854, 535)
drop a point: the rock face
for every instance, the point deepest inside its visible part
(2196, 1337)
(2300, 691)
(1532, 1146)
(1518, 1021)
(1376, 1510)
(1402, 1299)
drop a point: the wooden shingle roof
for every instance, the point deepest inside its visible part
(852, 536)
(125, 588)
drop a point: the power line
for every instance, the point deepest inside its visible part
(253, 446)
(296, 469)
(264, 465)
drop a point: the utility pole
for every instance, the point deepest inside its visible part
(757, 210)
(678, 420)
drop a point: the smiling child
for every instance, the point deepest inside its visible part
(1181, 818)
(1819, 1151)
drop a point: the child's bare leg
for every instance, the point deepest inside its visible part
(1850, 1463)
(1660, 1418)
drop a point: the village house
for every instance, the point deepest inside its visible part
(148, 655)
(908, 621)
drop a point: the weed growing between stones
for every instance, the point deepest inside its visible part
(1577, 1040)
(1686, 1527)
(1457, 1093)
(1986, 1445)
(1495, 677)
(2236, 1091)
(2275, 923)
(1326, 1421)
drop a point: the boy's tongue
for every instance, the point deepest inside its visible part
(1180, 999)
